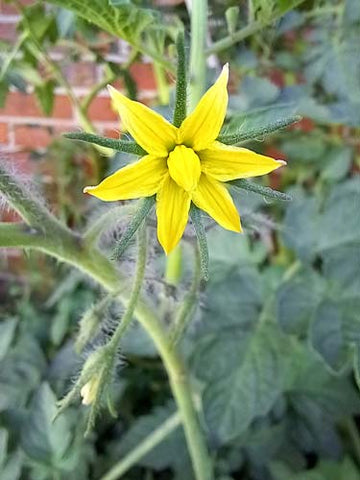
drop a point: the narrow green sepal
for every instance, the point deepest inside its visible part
(261, 190)
(256, 133)
(125, 146)
(140, 214)
(181, 85)
(195, 215)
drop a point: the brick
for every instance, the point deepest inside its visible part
(8, 9)
(82, 74)
(32, 136)
(3, 133)
(305, 125)
(25, 105)
(168, 3)
(101, 110)
(112, 132)
(143, 75)
(19, 160)
(8, 31)
(274, 152)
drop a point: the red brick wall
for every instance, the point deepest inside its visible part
(23, 126)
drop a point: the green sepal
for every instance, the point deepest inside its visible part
(181, 83)
(125, 146)
(256, 133)
(195, 215)
(140, 214)
(260, 189)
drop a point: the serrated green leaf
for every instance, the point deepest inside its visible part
(7, 331)
(3, 446)
(20, 372)
(338, 162)
(128, 22)
(297, 299)
(328, 335)
(300, 227)
(13, 468)
(45, 96)
(172, 452)
(342, 207)
(233, 297)
(245, 373)
(44, 440)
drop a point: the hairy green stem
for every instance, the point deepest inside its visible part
(136, 289)
(202, 241)
(199, 9)
(58, 241)
(268, 192)
(181, 82)
(243, 33)
(162, 84)
(145, 446)
(125, 146)
(106, 221)
(188, 304)
(144, 208)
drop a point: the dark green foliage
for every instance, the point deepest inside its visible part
(273, 347)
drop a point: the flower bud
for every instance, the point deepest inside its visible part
(89, 390)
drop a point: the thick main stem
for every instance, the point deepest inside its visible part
(197, 51)
(71, 250)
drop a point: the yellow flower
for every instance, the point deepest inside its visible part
(183, 165)
(89, 390)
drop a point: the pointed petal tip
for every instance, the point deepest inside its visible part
(281, 163)
(225, 71)
(110, 88)
(87, 189)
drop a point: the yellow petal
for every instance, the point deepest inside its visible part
(225, 162)
(172, 210)
(203, 125)
(149, 129)
(214, 198)
(184, 167)
(140, 179)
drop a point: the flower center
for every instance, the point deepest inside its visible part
(184, 167)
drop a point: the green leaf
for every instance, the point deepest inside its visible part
(338, 163)
(341, 207)
(44, 440)
(328, 335)
(233, 296)
(172, 452)
(245, 373)
(300, 226)
(297, 299)
(344, 469)
(7, 331)
(45, 96)
(126, 21)
(20, 372)
(13, 468)
(3, 446)
(317, 400)
(306, 149)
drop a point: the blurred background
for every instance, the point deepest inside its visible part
(274, 343)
